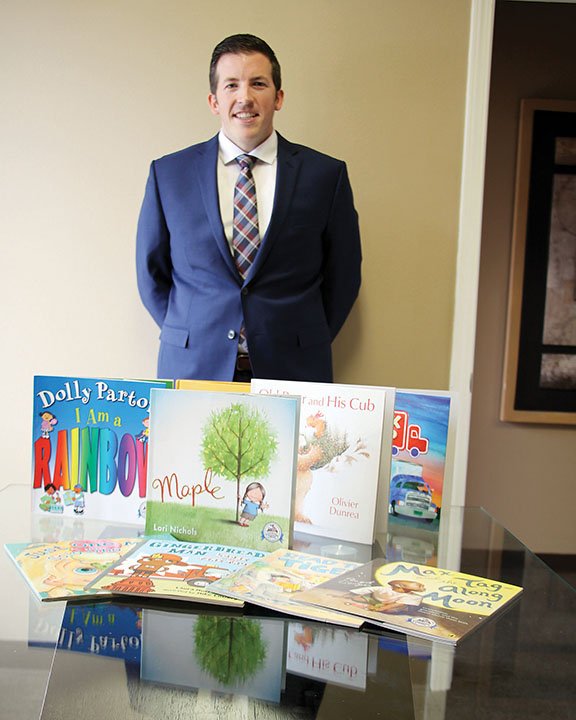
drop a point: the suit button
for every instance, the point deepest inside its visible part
(231, 334)
(244, 291)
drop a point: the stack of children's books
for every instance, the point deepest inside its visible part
(217, 477)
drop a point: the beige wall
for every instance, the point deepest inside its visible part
(92, 91)
(524, 474)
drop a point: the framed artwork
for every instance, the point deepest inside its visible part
(539, 383)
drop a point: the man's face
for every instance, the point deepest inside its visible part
(245, 98)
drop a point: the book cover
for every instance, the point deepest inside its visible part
(90, 447)
(175, 570)
(61, 570)
(423, 422)
(339, 447)
(419, 600)
(277, 580)
(222, 467)
(212, 385)
(230, 655)
(328, 653)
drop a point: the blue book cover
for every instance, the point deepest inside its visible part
(420, 455)
(90, 447)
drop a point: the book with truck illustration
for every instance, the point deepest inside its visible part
(423, 428)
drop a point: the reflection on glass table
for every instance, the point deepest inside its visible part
(121, 659)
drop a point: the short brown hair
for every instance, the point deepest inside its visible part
(243, 43)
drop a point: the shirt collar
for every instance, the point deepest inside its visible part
(265, 152)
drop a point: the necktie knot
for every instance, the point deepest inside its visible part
(246, 162)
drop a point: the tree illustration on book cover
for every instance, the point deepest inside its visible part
(239, 442)
(222, 468)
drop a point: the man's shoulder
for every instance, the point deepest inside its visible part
(188, 153)
(307, 154)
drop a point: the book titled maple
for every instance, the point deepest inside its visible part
(221, 467)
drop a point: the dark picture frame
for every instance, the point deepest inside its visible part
(539, 380)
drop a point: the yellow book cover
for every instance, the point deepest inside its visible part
(420, 600)
(212, 385)
(61, 570)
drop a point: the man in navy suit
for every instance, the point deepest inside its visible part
(276, 319)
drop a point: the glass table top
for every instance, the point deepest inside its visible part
(128, 659)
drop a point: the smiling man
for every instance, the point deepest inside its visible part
(248, 249)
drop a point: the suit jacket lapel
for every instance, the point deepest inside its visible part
(288, 168)
(207, 179)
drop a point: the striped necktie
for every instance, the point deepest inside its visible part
(245, 233)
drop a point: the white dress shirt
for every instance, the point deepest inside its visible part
(263, 172)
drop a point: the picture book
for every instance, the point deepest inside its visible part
(90, 447)
(221, 467)
(61, 570)
(423, 424)
(212, 385)
(328, 653)
(277, 580)
(165, 568)
(224, 654)
(339, 446)
(419, 600)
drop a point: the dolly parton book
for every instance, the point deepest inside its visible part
(90, 447)
(222, 467)
(339, 447)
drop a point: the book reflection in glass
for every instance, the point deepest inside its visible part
(227, 654)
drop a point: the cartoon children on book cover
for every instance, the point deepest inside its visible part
(90, 447)
(221, 468)
(419, 454)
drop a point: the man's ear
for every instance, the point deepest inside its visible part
(279, 100)
(213, 104)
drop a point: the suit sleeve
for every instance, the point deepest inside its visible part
(343, 256)
(153, 261)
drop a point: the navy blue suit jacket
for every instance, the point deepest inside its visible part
(295, 297)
